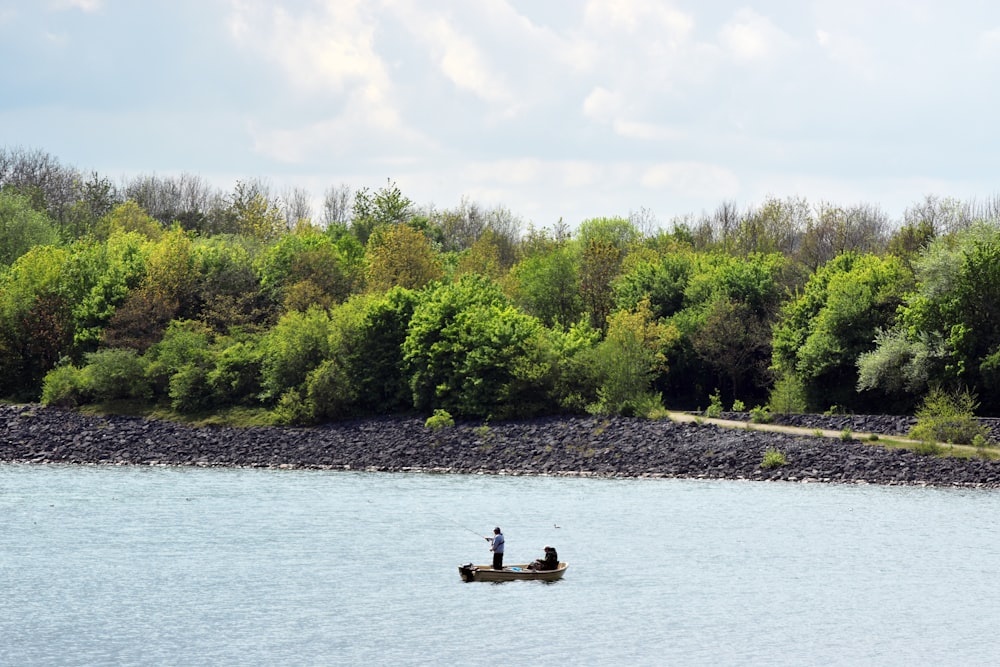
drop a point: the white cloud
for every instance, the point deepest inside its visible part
(455, 53)
(602, 105)
(645, 131)
(848, 51)
(83, 5)
(750, 37)
(989, 43)
(638, 16)
(697, 179)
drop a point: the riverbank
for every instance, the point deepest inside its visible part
(585, 446)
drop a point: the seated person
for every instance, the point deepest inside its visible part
(550, 562)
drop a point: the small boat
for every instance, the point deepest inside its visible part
(472, 572)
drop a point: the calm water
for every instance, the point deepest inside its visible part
(161, 566)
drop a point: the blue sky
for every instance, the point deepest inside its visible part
(551, 108)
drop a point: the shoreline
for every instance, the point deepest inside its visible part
(585, 446)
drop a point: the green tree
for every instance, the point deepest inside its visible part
(35, 320)
(401, 256)
(385, 207)
(627, 360)
(546, 284)
(822, 333)
(949, 333)
(22, 227)
(471, 353)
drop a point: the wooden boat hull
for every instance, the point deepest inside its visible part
(515, 572)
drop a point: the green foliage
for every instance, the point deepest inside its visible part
(35, 320)
(471, 353)
(626, 361)
(103, 276)
(739, 406)
(65, 386)
(112, 374)
(22, 227)
(822, 332)
(296, 345)
(399, 255)
(954, 316)
(846, 435)
(928, 448)
(714, 408)
(773, 458)
(385, 207)
(439, 420)
(948, 417)
(760, 415)
(235, 377)
(547, 285)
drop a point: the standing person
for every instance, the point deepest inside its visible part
(497, 548)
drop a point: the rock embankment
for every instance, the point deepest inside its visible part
(614, 447)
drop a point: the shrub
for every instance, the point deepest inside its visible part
(948, 417)
(928, 448)
(64, 387)
(439, 420)
(116, 373)
(715, 405)
(189, 389)
(760, 415)
(788, 396)
(291, 409)
(739, 406)
(773, 458)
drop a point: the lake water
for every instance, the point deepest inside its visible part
(184, 566)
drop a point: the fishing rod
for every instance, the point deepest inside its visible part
(474, 532)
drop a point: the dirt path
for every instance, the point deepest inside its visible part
(778, 428)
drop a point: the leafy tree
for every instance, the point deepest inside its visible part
(483, 257)
(130, 217)
(471, 353)
(546, 284)
(401, 256)
(296, 345)
(102, 276)
(116, 374)
(821, 334)
(22, 227)
(627, 361)
(35, 320)
(385, 207)
(228, 289)
(250, 211)
(949, 332)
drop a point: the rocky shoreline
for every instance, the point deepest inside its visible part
(582, 446)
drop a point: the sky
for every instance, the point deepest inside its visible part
(549, 108)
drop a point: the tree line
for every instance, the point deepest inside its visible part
(164, 290)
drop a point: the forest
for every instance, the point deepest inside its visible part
(166, 291)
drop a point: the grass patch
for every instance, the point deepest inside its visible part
(773, 458)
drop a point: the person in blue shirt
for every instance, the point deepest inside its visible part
(497, 548)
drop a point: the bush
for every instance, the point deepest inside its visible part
(189, 389)
(714, 406)
(948, 417)
(788, 396)
(440, 419)
(773, 458)
(760, 415)
(739, 406)
(292, 409)
(65, 387)
(116, 373)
